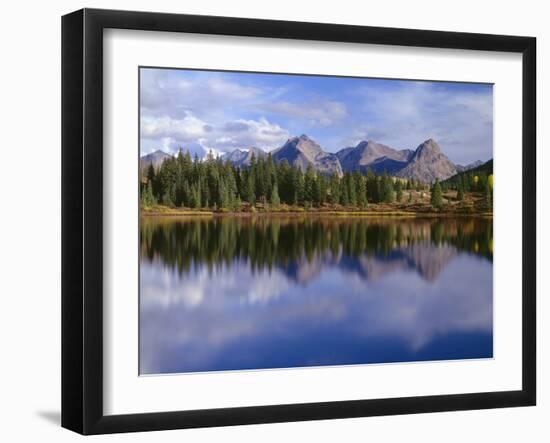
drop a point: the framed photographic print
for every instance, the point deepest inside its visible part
(269, 221)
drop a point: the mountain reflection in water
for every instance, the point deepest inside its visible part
(233, 293)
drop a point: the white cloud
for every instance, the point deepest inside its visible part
(172, 134)
(229, 90)
(218, 309)
(227, 111)
(165, 288)
(197, 114)
(461, 121)
(258, 133)
(318, 112)
(164, 93)
(188, 128)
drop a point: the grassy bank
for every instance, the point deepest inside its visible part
(472, 205)
(165, 210)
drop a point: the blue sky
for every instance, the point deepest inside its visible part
(222, 111)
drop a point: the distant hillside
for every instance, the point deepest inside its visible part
(155, 158)
(374, 156)
(486, 167)
(241, 157)
(468, 167)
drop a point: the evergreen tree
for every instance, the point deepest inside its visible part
(147, 197)
(260, 177)
(299, 186)
(437, 196)
(214, 183)
(185, 193)
(465, 183)
(309, 183)
(344, 195)
(198, 196)
(317, 190)
(250, 189)
(270, 176)
(223, 196)
(275, 200)
(388, 193)
(152, 178)
(284, 182)
(334, 189)
(362, 192)
(166, 200)
(460, 191)
(352, 188)
(373, 189)
(237, 203)
(173, 194)
(398, 191)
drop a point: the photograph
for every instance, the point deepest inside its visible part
(301, 220)
(269, 220)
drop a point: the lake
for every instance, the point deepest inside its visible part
(234, 293)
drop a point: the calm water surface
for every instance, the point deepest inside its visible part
(273, 292)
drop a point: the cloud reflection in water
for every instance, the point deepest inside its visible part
(420, 299)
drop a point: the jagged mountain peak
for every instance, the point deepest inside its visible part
(303, 151)
(157, 153)
(155, 158)
(298, 139)
(243, 157)
(304, 143)
(428, 147)
(428, 164)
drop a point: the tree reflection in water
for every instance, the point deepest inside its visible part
(230, 293)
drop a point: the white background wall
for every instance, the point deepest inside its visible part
(30, 274)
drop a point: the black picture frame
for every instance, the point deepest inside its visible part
(82, 218)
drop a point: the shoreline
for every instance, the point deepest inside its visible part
(327, 213)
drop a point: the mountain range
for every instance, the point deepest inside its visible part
(374, 156)
(426, 163)
(426, 259)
